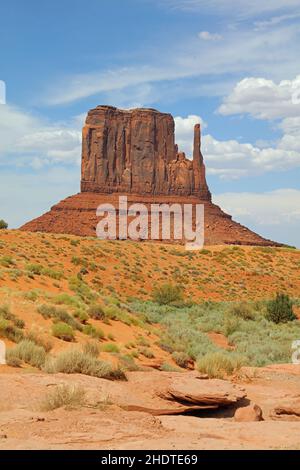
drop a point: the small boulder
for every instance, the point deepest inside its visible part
(289, 411)
(248, 414)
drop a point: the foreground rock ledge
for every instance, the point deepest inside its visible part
(211, 392)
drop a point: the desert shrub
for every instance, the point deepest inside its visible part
(3, 225)
(167, 294)
(127, 363)
(181, 358)
(91, 349)
(35, 269)
(82, 289)
(31, 295)
(166, 367)
(47, 311)
(64, 396)
(280, 309)
(63, 331)
(219, 364)
(66, 299)
(12, 360)
(146, 352)
(75, 242)
(27, 352)
(242, 310)
(76, 260)
(259, 341)
(19, 323)
(63, 316)
(94, 332)
(96, 312)
(110, 348)
(9, 331)
(113, 312)
(7, 261)
(74, 361)
(5, 313)
(231, 324)
(57, 275)
(38, 270)
(81, 316)
(35, 338)
(60, 314)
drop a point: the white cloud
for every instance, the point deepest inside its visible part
(26, 140)
(207, 36)
(25, 196)
(244, 51)
(275, 20)
(184, 131)
(231, 159)
(291, 126)
(264, 99)
(244, 8)
(275, 214)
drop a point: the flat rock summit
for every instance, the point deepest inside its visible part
(134, 153)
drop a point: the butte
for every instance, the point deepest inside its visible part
(133, 153)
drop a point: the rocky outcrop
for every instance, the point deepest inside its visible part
(288, 410)
(191, 390)
(135, 152)
(76, 215)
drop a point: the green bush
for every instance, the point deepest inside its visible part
(47, 311)
(259, 341)
(81, 315)
(27, 352)
(74, 361)
(5, 313)
(110, 348)
(9, 331)
(7, 261)
(3, 225)
(94, 332)
(166, 294)
(146, 352)
(63, 331)
(50, 311)
(242, 310)
(96, 312)
(219, 364)
(280, 309)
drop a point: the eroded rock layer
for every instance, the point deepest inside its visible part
(133, 153)
(77, 215)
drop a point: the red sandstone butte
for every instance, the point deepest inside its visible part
(133, 153)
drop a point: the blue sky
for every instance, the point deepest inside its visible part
(231, 64)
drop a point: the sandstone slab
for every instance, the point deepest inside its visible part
(191, 390)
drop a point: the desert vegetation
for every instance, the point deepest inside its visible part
(3, 225)
(253, 338)
(136, 304)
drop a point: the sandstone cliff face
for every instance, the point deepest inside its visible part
(135, 152)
